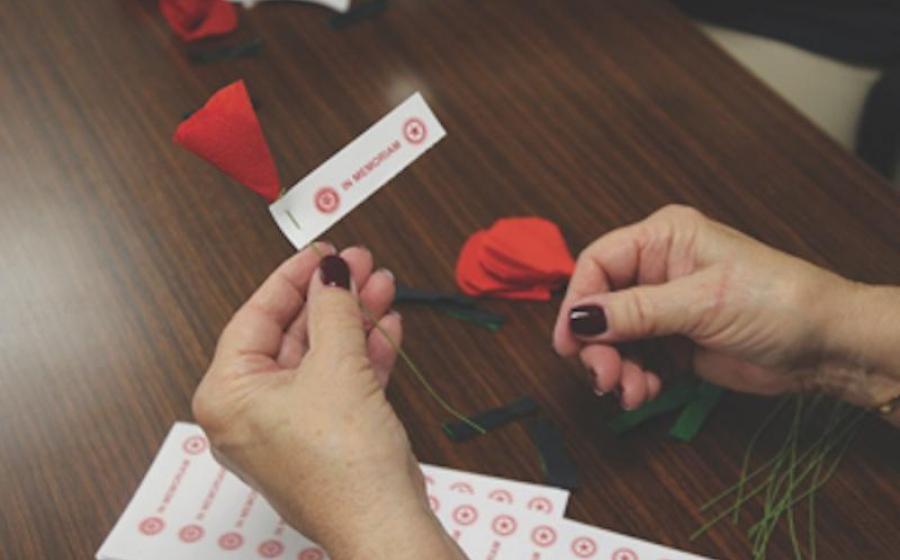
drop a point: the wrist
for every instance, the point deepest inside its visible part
(393, 534)
(860, 360)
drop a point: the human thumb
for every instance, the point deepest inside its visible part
(335, 319)
(639, 312)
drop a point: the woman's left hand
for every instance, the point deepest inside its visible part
(293, 402)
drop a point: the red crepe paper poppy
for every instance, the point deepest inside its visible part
(226, 133)
(474, 280)
(523, 250)
(517, 258)
(195, 19)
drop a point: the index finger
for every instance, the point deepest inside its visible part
(610, 262)
(667, 243)
(259, 325)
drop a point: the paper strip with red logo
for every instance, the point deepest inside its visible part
(353, 174)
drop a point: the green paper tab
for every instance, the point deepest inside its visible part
(696, 412)
(667, 401)
(486, 319)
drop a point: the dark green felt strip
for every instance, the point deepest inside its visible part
(670, 399)
(694, 415)
(490, 419)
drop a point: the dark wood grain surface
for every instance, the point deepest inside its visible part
(122, 256)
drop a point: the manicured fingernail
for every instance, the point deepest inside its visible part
(598, 392)
(335, 272)
(388, 272)
(587, 320)
(327, 245)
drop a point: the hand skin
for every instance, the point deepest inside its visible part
(294, 404)
(758, 320)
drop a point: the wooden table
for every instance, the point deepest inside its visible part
(122, 256)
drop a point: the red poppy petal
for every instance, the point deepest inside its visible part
(196, 19)
(226, 133)
(473, 279)
(528, 245)
(539, 293)
(470, 275)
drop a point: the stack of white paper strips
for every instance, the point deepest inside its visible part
(188, 507)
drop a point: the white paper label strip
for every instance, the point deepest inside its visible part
(357, 171)
(337, 5)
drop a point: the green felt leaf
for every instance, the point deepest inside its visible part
(694, 415)
(670, 399)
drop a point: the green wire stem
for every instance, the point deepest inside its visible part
(410, 364)
(793, 474)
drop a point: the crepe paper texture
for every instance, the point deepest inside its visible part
(558, 466)
(695, 414)
(522, 258)
(491, 419)
(205, 55)
(226, 133)
(358, 13)
(192, 20)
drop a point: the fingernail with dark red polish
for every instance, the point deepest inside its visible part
(587, 320)
(335, 272)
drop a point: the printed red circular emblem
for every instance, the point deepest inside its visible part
(190, 533)
(504, 525)
(502, 496)
(415, 131)
(231, 541)
(584, 547)
(270, 548)
(327, 200)
(540, 504)
(624, 554)
(543, 535)
(195, 445)
(462, 488)
(151, 526)
(465, 515)
(433, 503)
(312, 553)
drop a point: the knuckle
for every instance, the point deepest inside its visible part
(680, 212)
(353, 363)
(640, 313)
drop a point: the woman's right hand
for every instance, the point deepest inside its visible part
(760, 321)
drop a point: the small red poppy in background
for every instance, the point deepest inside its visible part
(195, 19)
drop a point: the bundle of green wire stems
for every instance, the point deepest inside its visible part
(787, 481)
